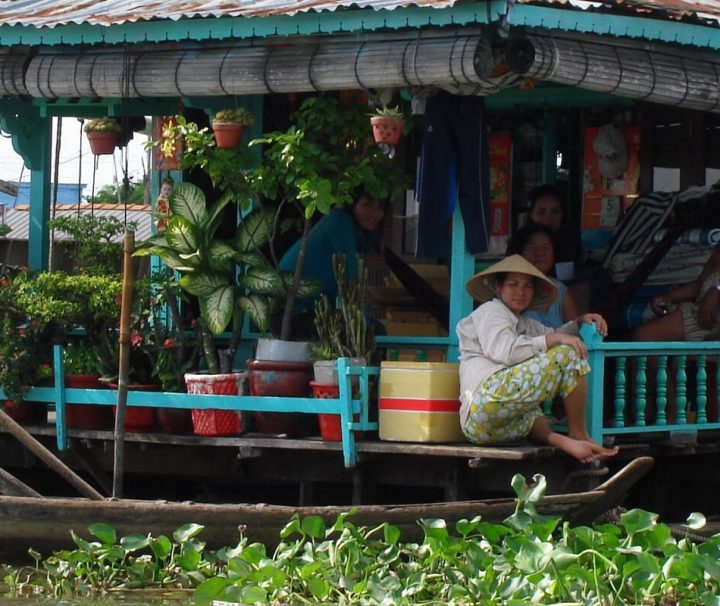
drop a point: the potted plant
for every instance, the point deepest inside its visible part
(102, 134)
(207, 267)
(387, 124)
(229, 126)
(343, 332)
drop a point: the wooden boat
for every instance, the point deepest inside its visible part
(44, 523)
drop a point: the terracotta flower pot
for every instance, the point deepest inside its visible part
(289, 379)
(330, 424)
(228, 135)
(386, 130)
(102, 142)
(86, 416)
(139, 419)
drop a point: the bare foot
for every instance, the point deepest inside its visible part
(585, 451)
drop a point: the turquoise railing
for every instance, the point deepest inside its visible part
(354, 412)
(652, 386)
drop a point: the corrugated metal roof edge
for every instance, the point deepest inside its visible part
(587, 22)
(218, 28)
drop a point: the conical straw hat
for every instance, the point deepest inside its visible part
(482, 285)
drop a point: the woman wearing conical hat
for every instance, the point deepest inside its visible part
(510, 364)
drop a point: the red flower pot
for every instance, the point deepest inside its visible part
(86, 416)
(102, 142)
(216, 422)
(386, 130)
(228, 135)
(139, 419)
(288, 379)
(330, 424)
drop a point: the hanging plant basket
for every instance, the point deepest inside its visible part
(102, 142)
(386, 130)
(228, 135)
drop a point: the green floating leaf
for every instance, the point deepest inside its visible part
(104, 532)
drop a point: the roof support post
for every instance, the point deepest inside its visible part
(38, 233)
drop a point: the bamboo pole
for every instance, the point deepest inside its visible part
(48, 458)
(124, 364)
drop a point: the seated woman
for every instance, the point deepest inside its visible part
(509, 363)
(689, 312)
(536, 243)
(353, 230)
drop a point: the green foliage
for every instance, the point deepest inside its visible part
(239, 116)
(103, 124)
(35, 311)
(80, 358)
(344, 332)
(94, 251)
(206, 264)
(389, 112)
(527, 559)
(115, 194)
(318, 164)
(223, 166)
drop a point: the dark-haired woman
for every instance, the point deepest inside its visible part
(537, 244)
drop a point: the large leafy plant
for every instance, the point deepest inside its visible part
(208, 266)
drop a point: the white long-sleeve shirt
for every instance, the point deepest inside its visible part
(492, 338)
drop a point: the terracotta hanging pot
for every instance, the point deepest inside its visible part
(228, 135)
(102, 142)
(386, 130)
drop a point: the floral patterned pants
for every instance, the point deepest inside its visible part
(507, 404)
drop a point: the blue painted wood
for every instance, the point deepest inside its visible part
(615, 25)
(38, 233)
(672, 352)
(661, 391)
(619, 418)
(305, 23)
(60, 422)
(681, 387)
(462, 268)
(640, 390)
(701, 390)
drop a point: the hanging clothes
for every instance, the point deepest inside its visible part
(453, 164)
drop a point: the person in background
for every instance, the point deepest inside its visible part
(509, 364)
(350, 230)
(536, 243)
(689, 312)
(545, 208)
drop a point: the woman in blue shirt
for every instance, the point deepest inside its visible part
(352, 230)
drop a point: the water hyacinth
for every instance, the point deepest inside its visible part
(528, 558)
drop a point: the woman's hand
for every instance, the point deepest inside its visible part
(599, 321)
(561, 338)
(660, 306)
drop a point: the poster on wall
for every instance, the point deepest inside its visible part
(500, 172)
(166, 156)
(610, 175)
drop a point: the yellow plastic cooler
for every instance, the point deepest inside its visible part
(419, 402)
